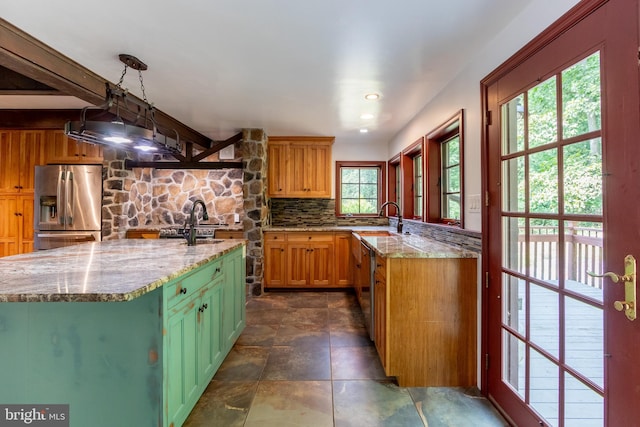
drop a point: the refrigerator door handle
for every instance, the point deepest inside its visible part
(69, 198)
(60, 203)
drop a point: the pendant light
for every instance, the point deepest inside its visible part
(142, 134)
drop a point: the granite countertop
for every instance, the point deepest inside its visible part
(114, 270)
(410, 246)
(394, 245)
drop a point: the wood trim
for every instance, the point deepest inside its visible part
(488, 96)
(576, 14)
(433, 165)
(381, 182)
(304, 139)
(406, 168)
(28, 56)
(391, 181)
(130, 164)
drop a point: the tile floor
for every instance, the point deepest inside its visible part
(305, 359)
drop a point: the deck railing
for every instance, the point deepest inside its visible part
(583, 252)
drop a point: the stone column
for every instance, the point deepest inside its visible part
(254, 158)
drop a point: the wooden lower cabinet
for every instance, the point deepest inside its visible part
(307, 260)
(310, 259)
(16, 224)
(275, 260)
(425, 320)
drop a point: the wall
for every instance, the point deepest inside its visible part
(464, 92)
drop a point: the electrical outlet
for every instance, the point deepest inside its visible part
(236, 217)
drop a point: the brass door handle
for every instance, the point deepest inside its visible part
(629, 279)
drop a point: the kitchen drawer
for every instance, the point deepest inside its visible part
(309, 237)
(275, 237)
(229, 234)
(187, 286)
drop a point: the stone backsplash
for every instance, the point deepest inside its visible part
(470, 240)
(149, 197)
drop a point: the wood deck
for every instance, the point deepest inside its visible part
(583, 353)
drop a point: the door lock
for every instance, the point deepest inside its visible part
(629, 279)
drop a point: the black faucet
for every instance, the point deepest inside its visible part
(397, 210)
(190, 233)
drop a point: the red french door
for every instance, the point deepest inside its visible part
(562, 172)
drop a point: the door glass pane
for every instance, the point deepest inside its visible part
(549, 334)
(544, 392)
(515, 303)
(583, 252)
(514, 247)
(512, 119)
(584, 407)
(583, 177)
(584, 339)
(543, 181)
(581, 97)
(513, 185)
(514, 362)
(543, 249)
(542, 109)
(545, 318)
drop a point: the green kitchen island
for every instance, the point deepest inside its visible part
(126, 332)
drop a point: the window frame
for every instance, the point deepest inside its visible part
(394, 183)
(433, 141)
(407, 166)
(381, 186)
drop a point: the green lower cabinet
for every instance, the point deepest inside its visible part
(201, 330)
(234, 300)
(182, 370)
(144, 362)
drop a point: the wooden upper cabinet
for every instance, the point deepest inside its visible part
(20, 152)
(62, 149)
(277, 168)
(300, 167)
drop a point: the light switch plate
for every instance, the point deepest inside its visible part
(473, 201)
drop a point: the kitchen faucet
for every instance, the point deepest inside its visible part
(397, 210)
(190, 233)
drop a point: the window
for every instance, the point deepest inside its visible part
(417, 186)
(450, 182)
(445, 183)
(395, 184)
(412, 175)
(360, 188)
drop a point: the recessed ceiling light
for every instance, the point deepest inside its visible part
(364, 130)
(366, 116)
(372, 96)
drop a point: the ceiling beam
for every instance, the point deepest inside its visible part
(37, 119)
(25, 55)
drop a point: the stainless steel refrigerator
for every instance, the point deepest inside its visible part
(68, 205)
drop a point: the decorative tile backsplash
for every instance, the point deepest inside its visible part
(313, 213)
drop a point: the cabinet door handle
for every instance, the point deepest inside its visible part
(17, 187)
(281, 250)
(218, 270)
(183, 290)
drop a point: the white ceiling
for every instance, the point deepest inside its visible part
(292, 67)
